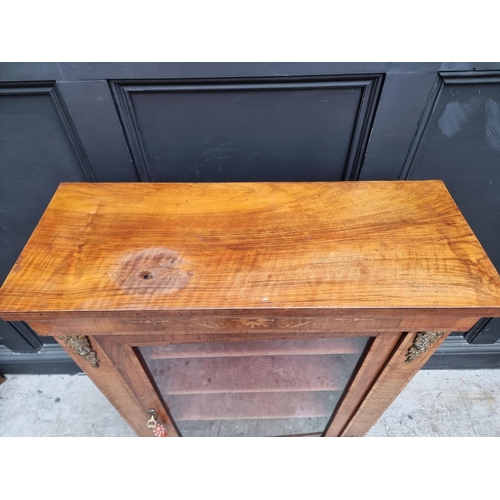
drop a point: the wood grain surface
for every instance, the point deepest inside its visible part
(347, 247)
(378, 352)
(213, 327)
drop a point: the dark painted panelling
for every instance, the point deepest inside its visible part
(461, 146)
(399, 112)
(19, 337)
(487, 331)
(52, 359)
(122, 70)
(456, 354)
(38, 150)
(93, 113)
(261, 131)
(247, 136)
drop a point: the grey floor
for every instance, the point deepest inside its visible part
(435, 403)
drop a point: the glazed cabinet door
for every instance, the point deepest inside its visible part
(254, 388)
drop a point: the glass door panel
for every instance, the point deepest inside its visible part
(257, 388)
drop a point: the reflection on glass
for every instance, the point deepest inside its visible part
(258, 388)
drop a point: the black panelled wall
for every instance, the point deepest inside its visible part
(162, 122)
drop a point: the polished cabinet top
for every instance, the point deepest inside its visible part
(336, 247)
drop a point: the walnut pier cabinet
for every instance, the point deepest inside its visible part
(251, 309)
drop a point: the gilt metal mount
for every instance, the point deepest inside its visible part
(421, 344)
(81, 345)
